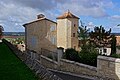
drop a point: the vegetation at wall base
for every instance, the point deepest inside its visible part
(89, 58)
(71, 54)
(115, 55)
(11, 68)
(85, 57)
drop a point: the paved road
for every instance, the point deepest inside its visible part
(65, 76)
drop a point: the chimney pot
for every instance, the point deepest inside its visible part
(40, 16)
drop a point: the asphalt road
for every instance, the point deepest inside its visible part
(65, 76)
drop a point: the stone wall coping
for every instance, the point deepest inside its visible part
(68, 61)
(117, 60)
(49, 60)
(80, 64)
(86, 66)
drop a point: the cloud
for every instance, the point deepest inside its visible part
(93, 8)
(22, 11)
(90, 26)
(37, 4)
(12, 15)
(115, 17)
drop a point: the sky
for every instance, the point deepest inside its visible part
(15, 13)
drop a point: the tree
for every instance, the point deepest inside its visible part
(83, 34)
(1, 31)
(118, 25)
(100, 37)
(113, 45)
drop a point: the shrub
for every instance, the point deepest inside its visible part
(84, 56)
(71, 54)
(89, 58)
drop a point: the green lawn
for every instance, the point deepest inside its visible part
(11, 68)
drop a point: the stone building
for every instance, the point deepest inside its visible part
(67, 27)
(41, 33)
(47, 34)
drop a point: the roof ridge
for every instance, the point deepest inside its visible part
(67, 14)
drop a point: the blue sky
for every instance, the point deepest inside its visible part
(15, 13)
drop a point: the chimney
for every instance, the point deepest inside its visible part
(40, 16)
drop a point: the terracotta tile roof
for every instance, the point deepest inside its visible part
(67, 15)
(38, 20)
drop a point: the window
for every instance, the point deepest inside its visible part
(74, 47)
(52, 28)
(53, 40)
(74, 25)
(33, 41)
(105, 50)
(73, 34)
(79, 44)
(100, 51)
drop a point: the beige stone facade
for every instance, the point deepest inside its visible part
(67, 33)
(108, 67)
(67, 27)
(41, 33)
(47, 34)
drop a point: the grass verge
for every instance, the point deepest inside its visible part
(11, 68)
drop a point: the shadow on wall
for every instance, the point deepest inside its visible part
(46, 44)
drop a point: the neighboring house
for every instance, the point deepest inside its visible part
(47, 34)
(104, 50)
(117, 35)
(107, 49)
(118, 40)
(41, 33)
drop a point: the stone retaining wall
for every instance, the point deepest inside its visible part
(49, 63)
(69, 66)
(108, 67)
(78, 68)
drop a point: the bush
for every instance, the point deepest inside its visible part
(84, 56)
(89, 58)
(71, 54)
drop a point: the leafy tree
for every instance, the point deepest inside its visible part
(88, 54)
(89, 58)
(1, 31)
(100, 37)
(83, 34)
(113, 45)
(118, 25)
